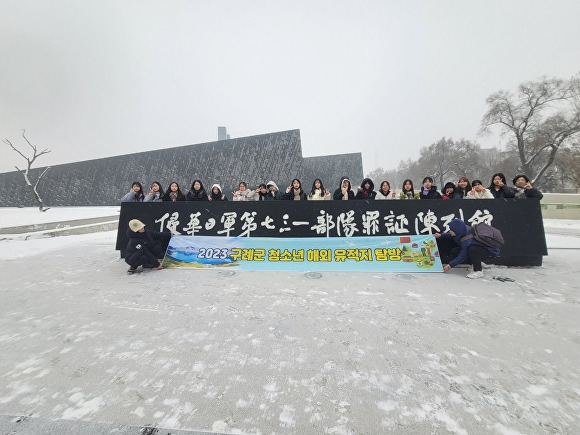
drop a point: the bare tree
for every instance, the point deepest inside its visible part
(566, 169)
(542, 117)
(25, 173)
(446, 159)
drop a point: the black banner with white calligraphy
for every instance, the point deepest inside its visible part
(519, 220)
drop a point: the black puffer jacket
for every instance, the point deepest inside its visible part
(431, 194)
(366, 194)
(148, 243)
(196, 195)
(338, 192)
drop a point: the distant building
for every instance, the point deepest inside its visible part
(223, 134)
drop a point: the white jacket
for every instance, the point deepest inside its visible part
(317, 197)
(244, 195)
(486, 194)
(381, 196)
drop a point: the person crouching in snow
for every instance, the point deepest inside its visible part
(144, 247)
(470, 247)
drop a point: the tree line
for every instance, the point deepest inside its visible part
(541, 122)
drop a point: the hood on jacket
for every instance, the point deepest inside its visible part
(459, 228)
(367, 180)
(342, 179)
(448, 184)
(271, 183)
(218, 186)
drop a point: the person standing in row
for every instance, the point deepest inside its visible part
(261, 193)
(498, 187)
(274, 193)
(450, 191)
(243, 193)
(294, 192)
(366, 190)
(135, 194)
(197, 192)
(524, 188)
(174, 193)
(478, 191)
(216, 194)
(385, 192)
(429, 191)
(408, 192)
(318, 193)
(463, 186)
(344, 192)
(155, 193)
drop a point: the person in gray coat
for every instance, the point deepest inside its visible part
(135, 194)
(155, 193)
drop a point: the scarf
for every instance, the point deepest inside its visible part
(296, 194)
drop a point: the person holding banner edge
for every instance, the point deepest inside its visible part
(470, 247)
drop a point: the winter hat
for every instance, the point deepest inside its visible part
(521, 176)
(136, 225)
(476, 182)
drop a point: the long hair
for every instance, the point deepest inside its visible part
(161, 192)
(388, 190)
(139, 194)
(180, 195)
(201, 189)
(313, 190)
(299, 183)
(500, 175)
(410, 182)
(467, 188)
(262, 195)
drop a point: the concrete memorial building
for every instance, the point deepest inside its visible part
(253, 159)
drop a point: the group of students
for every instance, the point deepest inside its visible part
(461, 189)
(144, 245)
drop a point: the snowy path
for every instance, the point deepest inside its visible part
(282, 353)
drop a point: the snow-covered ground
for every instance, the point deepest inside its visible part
(278, 352)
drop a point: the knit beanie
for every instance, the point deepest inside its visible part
(135, 225)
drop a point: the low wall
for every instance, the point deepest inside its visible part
(519, 220)
(561, 206)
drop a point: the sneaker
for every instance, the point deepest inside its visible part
(475, 275)
(485, 266)
(132, 270)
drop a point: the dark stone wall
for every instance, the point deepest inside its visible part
(253, 159)
(330, 169)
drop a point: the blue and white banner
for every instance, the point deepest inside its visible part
(354, 254)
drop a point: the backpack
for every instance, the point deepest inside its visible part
(485, 234)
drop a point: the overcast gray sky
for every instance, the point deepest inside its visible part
(92, 79)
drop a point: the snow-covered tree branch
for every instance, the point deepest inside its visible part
(33, 188)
